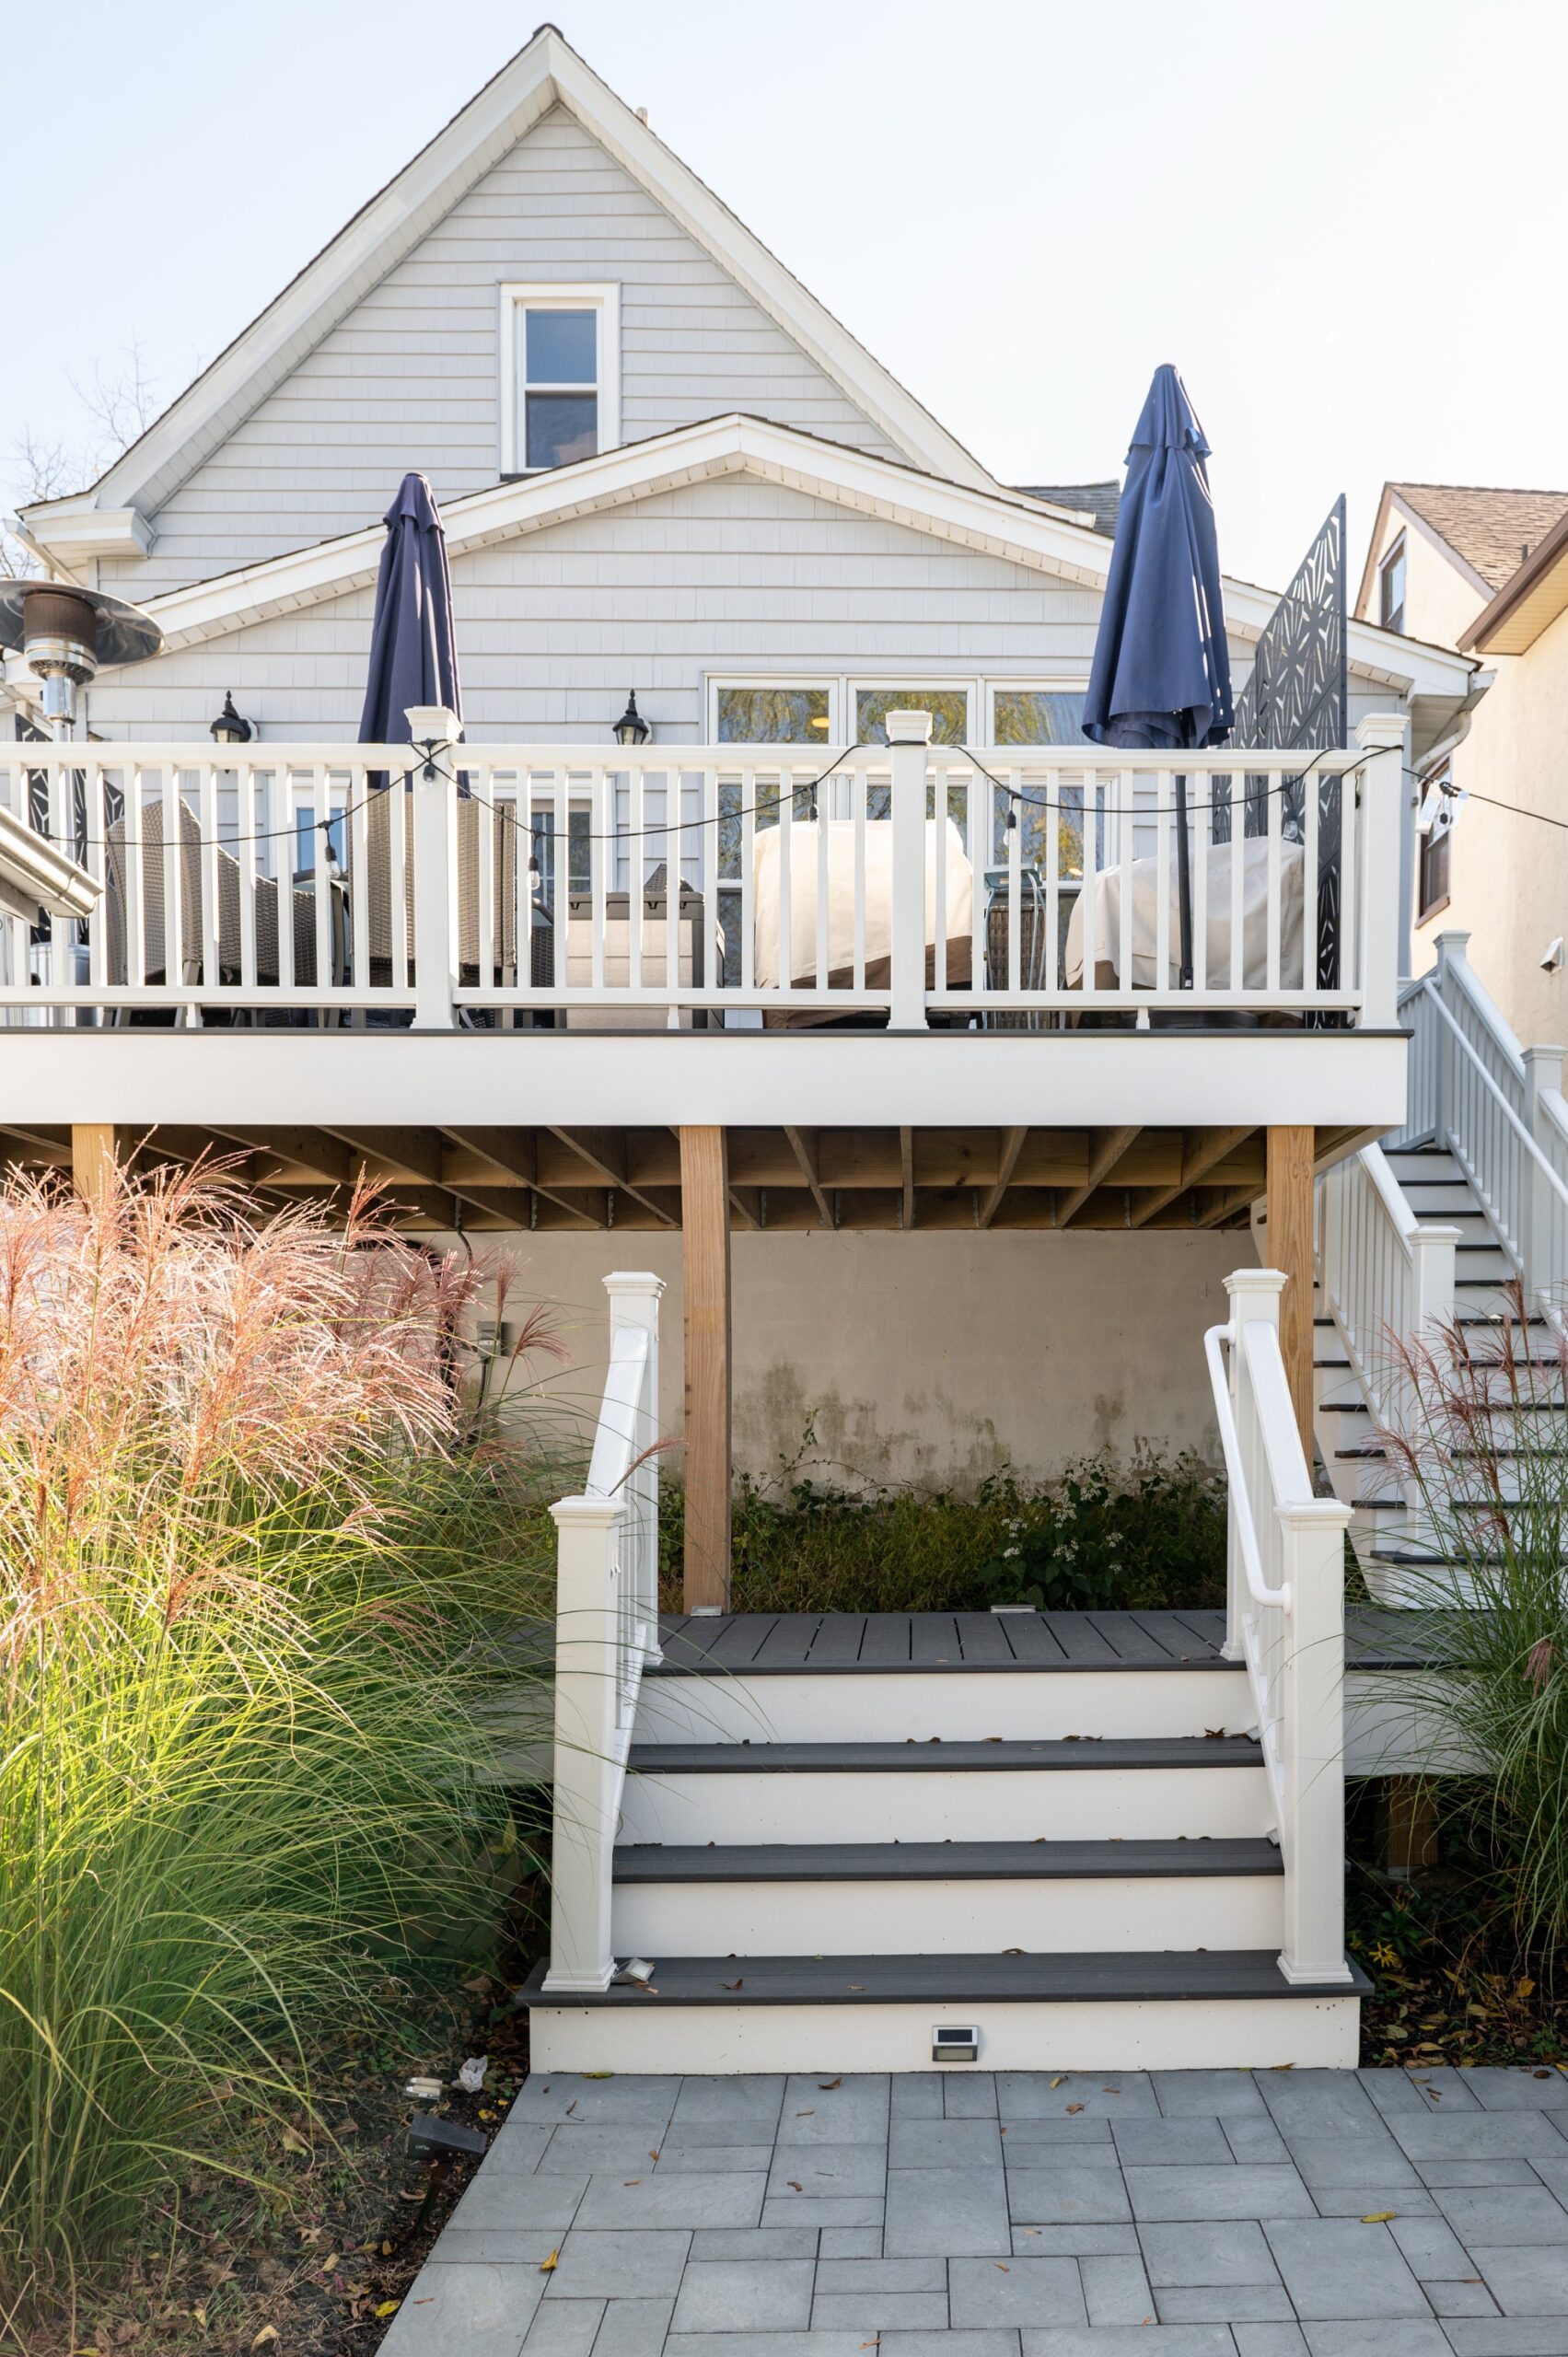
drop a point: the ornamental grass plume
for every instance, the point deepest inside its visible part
(257, 1567)
(1480, 1450)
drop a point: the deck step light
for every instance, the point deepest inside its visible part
(953, 2044)
(429, 2138)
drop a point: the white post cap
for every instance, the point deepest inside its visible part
(907, 727)
(431, 724)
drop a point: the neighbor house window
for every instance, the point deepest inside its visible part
(949, 707)
(1037, 716)
(1391, 587)
(774, 715)
(560, 375)
(1437, 848)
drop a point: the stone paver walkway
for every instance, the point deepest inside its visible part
(1202, 2213)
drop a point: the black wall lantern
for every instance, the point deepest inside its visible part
(228, 729)
(632, 729)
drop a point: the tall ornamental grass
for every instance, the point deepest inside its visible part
(1485, 1457)
(257, 1565)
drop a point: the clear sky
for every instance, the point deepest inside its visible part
(1345, 222)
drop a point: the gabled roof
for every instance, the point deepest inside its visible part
(547, 73)
(1528, 602)
(1488, 532)
(1017, 527)
(1100, 501)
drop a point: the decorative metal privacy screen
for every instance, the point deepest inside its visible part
(1298, 694)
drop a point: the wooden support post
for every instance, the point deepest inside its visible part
(1410, 1825)
(1289, 1182)
(92, 1159)
(704, 1214)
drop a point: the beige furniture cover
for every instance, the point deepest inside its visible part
(802, 876)
(1210, 970)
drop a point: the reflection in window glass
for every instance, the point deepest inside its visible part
(949, 707)
(563, 347)
(772, 715)
(561, 427)
(1039, 715)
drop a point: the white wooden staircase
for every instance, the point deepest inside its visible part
(1017, 1840)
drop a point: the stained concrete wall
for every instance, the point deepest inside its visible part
(933, 1358)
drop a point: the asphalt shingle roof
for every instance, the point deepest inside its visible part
(1099, 500)
(1492, 530)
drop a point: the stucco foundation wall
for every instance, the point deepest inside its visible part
(935, 1358)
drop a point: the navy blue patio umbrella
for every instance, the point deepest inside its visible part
(1161, 671)
(414, 653)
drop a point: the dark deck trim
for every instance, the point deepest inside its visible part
(857, 1862)
(1131, 1977)
(1168, 1753)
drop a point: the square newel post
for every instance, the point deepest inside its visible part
(909, 739)
(705, 1223)
(1381, 736)
(587, 1762)
(634, 1296)
(1450, 948)
(1289, 1166)
(433, 732)
(1312, 1536)
(1254, 1298)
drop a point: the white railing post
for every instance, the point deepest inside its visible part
(1381, 736)
(909, 739)
(634, 1296)
(1312, 1534)
(1450, 951)
(587, 1755)
(1543, 1072)
(436, 945)
(1254, 1296)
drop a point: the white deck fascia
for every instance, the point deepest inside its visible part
(737, 1079)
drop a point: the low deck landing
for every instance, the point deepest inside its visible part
(761, 1643)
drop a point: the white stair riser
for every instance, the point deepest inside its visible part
(886, 1707)
(931, 1805)
(1158, 2033)
(948, 1918)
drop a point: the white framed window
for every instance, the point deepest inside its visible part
(560, 375)
(1037, 711)
(1391, 587)
(950, 704)
(757, 710)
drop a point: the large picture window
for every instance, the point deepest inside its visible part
(767, 714)
(949, 707)
(1038, 716)
(560, 372)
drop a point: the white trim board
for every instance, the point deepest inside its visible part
(1019, 530)
(547, 73)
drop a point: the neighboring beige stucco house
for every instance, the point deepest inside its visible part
(1486, 571)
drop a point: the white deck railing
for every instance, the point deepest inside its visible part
(1387, 1278)
(605, 1630)
(703, 885)
(1499, 1110)
(1285, 1618)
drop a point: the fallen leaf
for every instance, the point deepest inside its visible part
(631, 2180)
(292, 2143)
(1379, 2217)
(599, 2074)
(1001, 2269)
(735, 1984)
(269, 2332)
(856, 1984)
(826, 2085)
(805, 2114)
(1014, 1951)
(653, 2151)
(1060, 2077)
(1074, 2107)
(389, 2307)
(570, 2108)
(548, 2266)
(795, 2186)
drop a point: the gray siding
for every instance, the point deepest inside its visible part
(411, 378)
(734, 574)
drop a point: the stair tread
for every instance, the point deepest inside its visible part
(941, 1860)
(836, 1644)
(1128, 1976)
(916, 1758)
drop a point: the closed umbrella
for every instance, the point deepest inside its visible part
(1161, 671)
(414, 655)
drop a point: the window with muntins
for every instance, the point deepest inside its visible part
(559, 391)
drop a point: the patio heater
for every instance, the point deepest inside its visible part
(65, 635)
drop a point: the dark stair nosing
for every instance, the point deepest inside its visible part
(1124, 1977)
(858, 1861)
(1165, 1752)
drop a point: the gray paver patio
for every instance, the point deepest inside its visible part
(1203, 2213)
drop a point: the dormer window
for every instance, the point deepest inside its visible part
(560, 375)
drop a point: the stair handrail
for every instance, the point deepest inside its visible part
(1387, 1279)
(1285, 1618)
(606, 1634)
